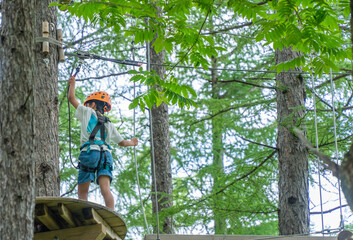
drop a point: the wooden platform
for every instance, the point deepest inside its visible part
(74, 219)
(234, 237)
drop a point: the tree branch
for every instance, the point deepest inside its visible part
(69, 44)
(329, 164)
(229, 28)
(333, 79)
(340, 140)
(263, 3)
(197, 38)
(232, 108)
(327, 104)
(117, 5)
(246, 83)
(242, 211)
(328, 211)
(100, 77)
(260, 144)
(236, 180)
(70, 191)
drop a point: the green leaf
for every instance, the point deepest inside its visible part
(134, 104)
(184, 91)
(133, 71)
(142, 105)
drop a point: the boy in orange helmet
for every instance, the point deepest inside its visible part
(96, 162)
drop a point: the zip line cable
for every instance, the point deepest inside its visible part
(318, 159)
(134, 131)
(336, 146)
(86, 54)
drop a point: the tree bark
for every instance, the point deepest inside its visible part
(292, 154)
(17, 117)
(217, 152)
(161, 142)
(47, 121)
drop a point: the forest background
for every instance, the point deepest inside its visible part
(231, 67)
(224, 158)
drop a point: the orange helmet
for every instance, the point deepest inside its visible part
(100, 96)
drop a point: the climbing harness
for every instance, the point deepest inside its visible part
(100, 126)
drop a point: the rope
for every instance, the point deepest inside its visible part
(152, 144)
(77, 70)
(318, 159)
(336, 147)
(134, 130)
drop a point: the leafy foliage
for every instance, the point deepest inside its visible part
(239, 106)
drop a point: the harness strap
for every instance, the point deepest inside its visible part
(101, 119)
(94, 170)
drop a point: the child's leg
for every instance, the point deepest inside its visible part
(83, 190)
(104, 184)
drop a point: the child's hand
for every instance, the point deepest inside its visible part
(72, 81)
(134, 141)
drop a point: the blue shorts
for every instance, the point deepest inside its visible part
(91, 160)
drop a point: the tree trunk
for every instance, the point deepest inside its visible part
(345, 173)
(217, 152)
(161, 142)
(293, 156)
(47, 163)
(17, 117)
(47, 120)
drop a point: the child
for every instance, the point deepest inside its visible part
(96, 134)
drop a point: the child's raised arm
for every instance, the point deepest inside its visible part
(71, 94)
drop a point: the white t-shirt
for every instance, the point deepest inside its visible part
(88, 118)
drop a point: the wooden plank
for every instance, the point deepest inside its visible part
(91, 232)
(75, 206)
(45, 32)
(45, 216)
(234, 237)
(117, 224)
(91, 214)
(66, 215)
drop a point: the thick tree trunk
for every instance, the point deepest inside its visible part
(293, 156)
(17, 117)
(47, 120)
(161, 144)
(217, 152)
(346, 169)
(345, 174)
